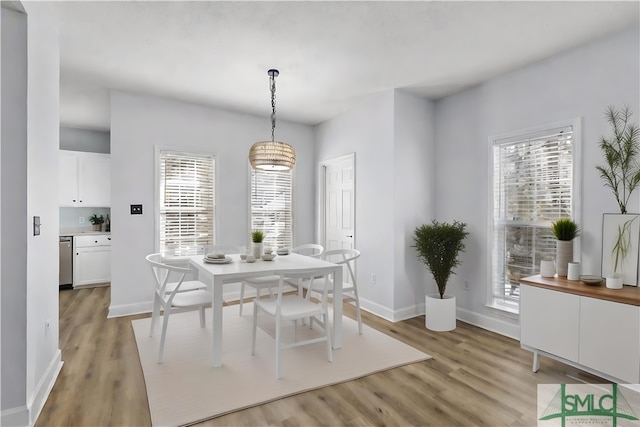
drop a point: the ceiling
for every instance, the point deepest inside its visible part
(331, 55)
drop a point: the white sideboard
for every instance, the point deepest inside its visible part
(590, 327)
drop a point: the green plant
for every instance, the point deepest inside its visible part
(621, 173)
(438, 245)
(95, 219)
(257, 236)
(565, 229)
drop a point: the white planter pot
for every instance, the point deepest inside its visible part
(564, 255)
(440, 314)
(614, 282)
(257, 250)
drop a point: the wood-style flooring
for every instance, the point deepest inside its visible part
(475, 378)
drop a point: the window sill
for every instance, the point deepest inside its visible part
(503, 310)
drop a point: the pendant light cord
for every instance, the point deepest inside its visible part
(273, 74)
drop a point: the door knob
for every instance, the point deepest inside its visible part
(350, 236)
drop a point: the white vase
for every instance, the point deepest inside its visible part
(614, 282)
(440, 314)
(257, 250)
(564, 255)
(547, 268)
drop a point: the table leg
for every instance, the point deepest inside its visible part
(216, 326)
(337, 307)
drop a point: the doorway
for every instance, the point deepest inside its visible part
(338, 202)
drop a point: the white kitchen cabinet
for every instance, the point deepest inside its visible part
(84, 179)
(92, 260)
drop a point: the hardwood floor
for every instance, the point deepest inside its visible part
(476, 377)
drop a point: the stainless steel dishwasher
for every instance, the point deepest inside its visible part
(66, 261)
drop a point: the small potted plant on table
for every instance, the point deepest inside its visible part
(257, 236)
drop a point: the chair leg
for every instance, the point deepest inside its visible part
(328, 335)
(165, 321)
(241, 296)
(278, 337)
(155, 313)
(358, 316)
(255, 327)
(203, 322)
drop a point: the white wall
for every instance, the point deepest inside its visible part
(367, 131)
(30, 269)
(580, 83)
(14, 217)
(43, 355)
(93, 141)
(138, 123)
(414, 192)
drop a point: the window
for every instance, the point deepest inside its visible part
(533, 185)
(270, 205)
(186, 202)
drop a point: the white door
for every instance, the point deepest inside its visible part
(339, 202)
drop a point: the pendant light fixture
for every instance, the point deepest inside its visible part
(272, 155)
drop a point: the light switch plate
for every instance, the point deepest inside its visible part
(36, 225)
(136, 209)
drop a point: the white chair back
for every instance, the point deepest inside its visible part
(163, 272)
(309, 249)
(346, 257)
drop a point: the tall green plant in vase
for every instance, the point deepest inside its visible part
(621, 174)
(438, 246)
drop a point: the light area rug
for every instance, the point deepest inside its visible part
(185, 388)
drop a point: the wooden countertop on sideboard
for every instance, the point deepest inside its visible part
(626, 295)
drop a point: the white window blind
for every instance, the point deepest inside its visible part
(187, 202)
(532, 187)
(271, 207)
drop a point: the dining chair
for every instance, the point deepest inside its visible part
(293, 307)
(347, 258)
(172, 294)
(267, 282)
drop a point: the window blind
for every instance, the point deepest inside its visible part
(187, 202)
(271, 206)
(532, 187)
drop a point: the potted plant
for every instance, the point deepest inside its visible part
(564, 230)
(621, 174)
(438, 245)
(97, 222)
(257, 236)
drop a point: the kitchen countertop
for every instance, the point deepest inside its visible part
(82, 233)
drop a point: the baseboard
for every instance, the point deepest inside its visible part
(129, 309)
(15, 417)
(489, 323)
(482, 321)
(44, 387)
(377, 309)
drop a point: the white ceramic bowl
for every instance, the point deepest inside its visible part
(268, 257)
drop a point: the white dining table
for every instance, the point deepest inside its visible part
(217, 275)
